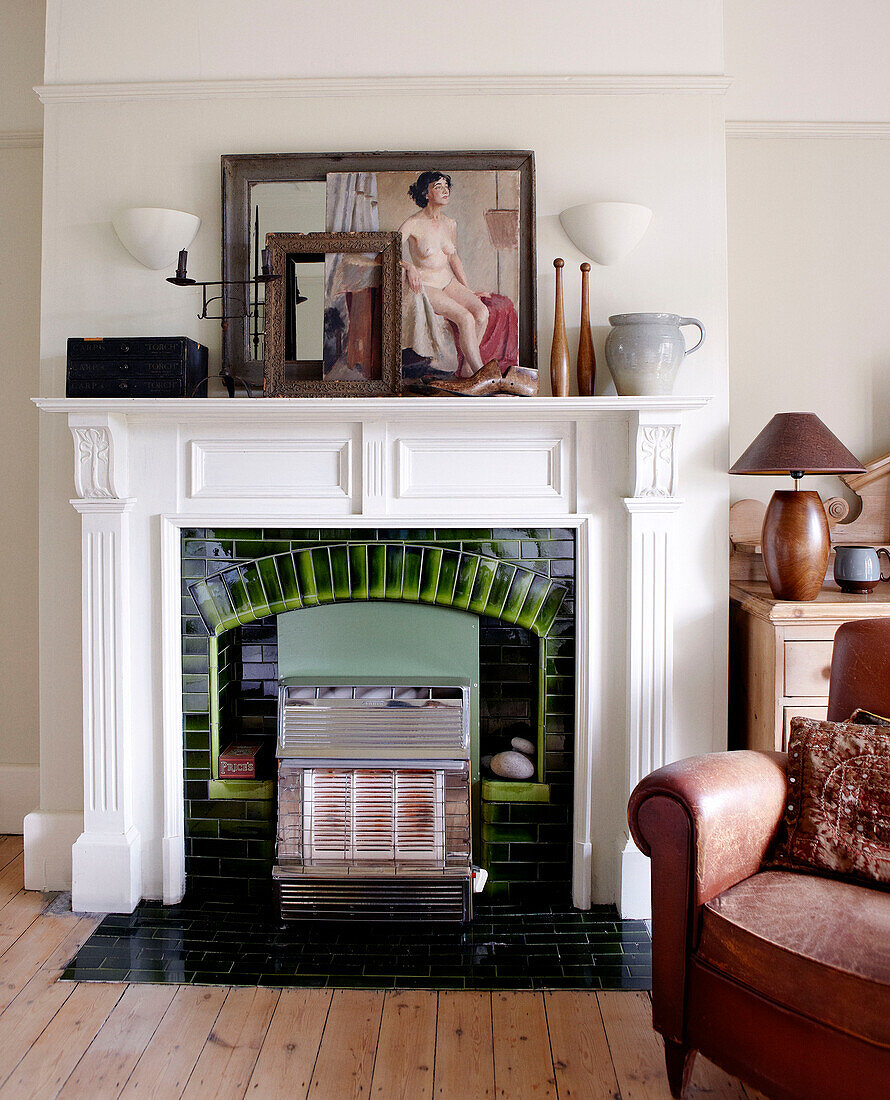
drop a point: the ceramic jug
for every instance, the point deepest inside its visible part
(858, 568)
(644, 351)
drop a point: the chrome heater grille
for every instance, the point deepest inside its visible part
(373, 803)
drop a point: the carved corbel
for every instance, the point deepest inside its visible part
(655, 460)
(100, 471)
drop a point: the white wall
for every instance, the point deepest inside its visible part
(808, 60)
(21, 119)
(808, 222)
(105, 40)
(664, 150)
(21, 65)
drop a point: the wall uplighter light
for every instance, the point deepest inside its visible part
(155, 236)
(607, 232)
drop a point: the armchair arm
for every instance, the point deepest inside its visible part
(706, 822)
(732, 803)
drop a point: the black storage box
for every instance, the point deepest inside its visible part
(138, 366)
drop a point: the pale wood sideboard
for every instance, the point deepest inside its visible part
(780, 657)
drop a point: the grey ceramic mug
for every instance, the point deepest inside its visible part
(858, 568)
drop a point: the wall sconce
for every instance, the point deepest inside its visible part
(606, 232)
(154, 236)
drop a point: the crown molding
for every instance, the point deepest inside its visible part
(357, 86)
(21, 139)
(787, 129)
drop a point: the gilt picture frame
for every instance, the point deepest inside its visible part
(364, 365)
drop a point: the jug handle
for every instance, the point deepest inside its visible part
(701, 329)
(883, 550)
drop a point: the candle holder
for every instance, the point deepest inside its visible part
(265, 275)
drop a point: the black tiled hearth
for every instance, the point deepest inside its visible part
(205, 942)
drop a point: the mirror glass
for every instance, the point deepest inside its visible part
(304, 278)
(287, 206)
(330, 316)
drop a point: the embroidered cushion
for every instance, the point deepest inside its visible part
(866, 718)
(837, 816)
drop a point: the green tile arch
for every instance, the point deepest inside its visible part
(337, 572)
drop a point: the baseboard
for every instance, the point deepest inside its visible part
(634, 888)
(19, 795)
(49, 838)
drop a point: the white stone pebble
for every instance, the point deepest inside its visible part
(522, 744)
(512, 765)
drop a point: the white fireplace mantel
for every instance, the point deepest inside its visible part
(606, 467)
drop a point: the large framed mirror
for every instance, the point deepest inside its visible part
(489, 198)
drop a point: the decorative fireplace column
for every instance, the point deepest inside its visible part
(106, 858)
(650, 661)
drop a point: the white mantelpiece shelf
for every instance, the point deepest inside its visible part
(144, 469)
(304, 408)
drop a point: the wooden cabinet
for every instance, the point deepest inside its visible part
(780, 657)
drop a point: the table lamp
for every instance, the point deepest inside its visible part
(795, 541)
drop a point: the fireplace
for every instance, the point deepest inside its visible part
(603, 469)
(483, 612)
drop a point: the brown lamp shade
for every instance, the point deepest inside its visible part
(798, 442)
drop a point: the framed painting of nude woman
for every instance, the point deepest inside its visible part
(461, 293)
(479, 242)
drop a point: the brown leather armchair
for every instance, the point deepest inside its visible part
(781, 978)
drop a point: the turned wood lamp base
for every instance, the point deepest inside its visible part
(795, 543)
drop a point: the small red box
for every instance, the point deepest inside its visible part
(239, 760)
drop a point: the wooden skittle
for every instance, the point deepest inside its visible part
(586, 356)
(559, 351)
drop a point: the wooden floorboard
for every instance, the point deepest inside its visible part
(111, 1057)
(79, 932)
(406, 1047)
(580, 1050)
(345, 1062)
(11, 878)
(162, 1042)
(51, 1060)
(290, 1049)
(167, 1062)
(10, 847)
(23, 1022)
(233, 1046)
(464, 1049)
(40, 940)
(636, 1050)
(18, 914)
(523, 1065)
(710, 1080)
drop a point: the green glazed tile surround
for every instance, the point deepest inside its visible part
(527, 675)
(326, 574)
